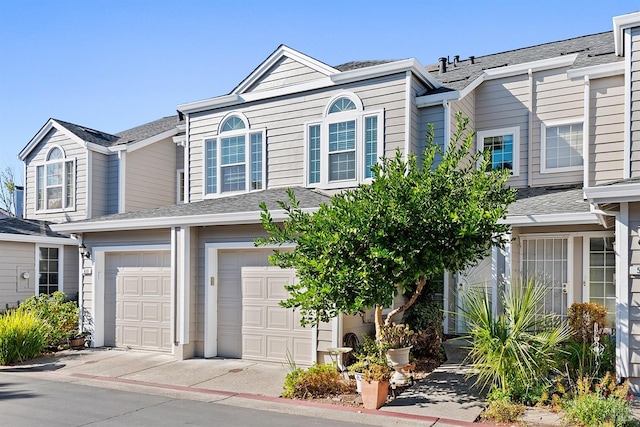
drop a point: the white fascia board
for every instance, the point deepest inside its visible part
(51, 124)
(597, 71)
(236, 218)
(22, 238)
(97, 148)
(210, 103)
(437, 99)
(621, 23)
(550, 219)
(615, 193)
(145, 142)
(283, 51)
(534, 66)
(180, 140)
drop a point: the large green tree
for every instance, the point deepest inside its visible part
(411, 223)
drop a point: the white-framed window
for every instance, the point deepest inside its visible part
(49, 269)
(561, 149)
(55, 182)
(341, 148)
(504, 145)
(234, 158)
(180, 186)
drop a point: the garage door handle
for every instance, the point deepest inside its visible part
(213, 281)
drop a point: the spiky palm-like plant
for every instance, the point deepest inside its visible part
(517, 345)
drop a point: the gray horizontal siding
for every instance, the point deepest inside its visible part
(113, 183)
(285, 72)
(99, 184)
(635, 102)
(606, 130)
(15, 259)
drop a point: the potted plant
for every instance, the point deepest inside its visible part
(357, 369)
(398, 339)
(77, 340)
(375, 386)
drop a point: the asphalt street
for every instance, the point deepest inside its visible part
(27, 401)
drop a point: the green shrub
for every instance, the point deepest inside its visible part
(59, 316)
(607, 405)
(518, 345)
(21, 336)
(501, 409)
(528, 393)
(426, 319)
(582, 359)
(317, 381)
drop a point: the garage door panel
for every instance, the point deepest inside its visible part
(278, 318)
(275, 288)
(253, 346)
(253, 289)
(142, 294)
(253, 316)
(277, 347)
(302, 349)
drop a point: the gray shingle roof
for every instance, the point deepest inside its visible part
(354, 65)
(27, 227)
(148, 130)
(135, 134)
(594, 49)
(247, 202)
(549, 200)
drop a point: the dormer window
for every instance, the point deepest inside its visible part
(234, 159)
(342, 148)
(55, 182)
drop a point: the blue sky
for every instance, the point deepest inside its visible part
(113, 65)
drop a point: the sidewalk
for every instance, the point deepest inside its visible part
(441, 399)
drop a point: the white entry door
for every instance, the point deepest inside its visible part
(477, 276)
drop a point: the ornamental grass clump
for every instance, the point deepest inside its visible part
(22, 336)
(519, 344)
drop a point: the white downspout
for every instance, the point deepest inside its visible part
(622, 292)
(447, 125)
(530, 132)
(626, 168)
(187, 172)
(585, 131)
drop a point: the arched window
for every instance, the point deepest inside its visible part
(55, 181)
(342, 148)
(234, 160)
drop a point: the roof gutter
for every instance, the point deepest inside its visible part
(615, 193)
(24, 238)
(551, 219)
(252, 217)
(620, 24)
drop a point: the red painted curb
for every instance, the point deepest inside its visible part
(279, 400)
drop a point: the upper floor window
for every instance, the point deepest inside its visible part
(345, 144)
(561, 146)
(504, 148)
(234, 159)
(55, 182)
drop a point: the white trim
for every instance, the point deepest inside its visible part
(551, 219)
(585, 132)
(122, 173)
(63, 161)
(446, 105)
(25, 208)
(184, 261)
(445, 301)
(615, 193)
(250, 217)
(626, 166)
(543, 145)
(231, 114)
(620, 23)
(281, 52)
(515, 131)
(210, 103)
(530, 128)
(623, 327)
(60, 266)
(597, 71)
(185, 161)
(98, 255)
(494, 281)
(407, 116)
(437, 98)
(386, 69)
(45, 240)
(570, 269)
(343, 94)
(151, 140)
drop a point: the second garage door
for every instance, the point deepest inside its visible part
(138, 300)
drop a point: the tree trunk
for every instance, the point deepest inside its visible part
(378, 322)
(420, 286)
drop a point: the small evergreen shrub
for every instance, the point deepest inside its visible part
(426, 319)
(22, 336)
(59, 316)
(320, 380)
(607, 405)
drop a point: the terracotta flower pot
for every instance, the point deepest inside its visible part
(374, 393)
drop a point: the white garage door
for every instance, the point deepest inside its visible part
(270, 332)
(138, 300)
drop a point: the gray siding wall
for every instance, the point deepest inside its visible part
(285, 117)
(150, 176)
(635, 102)
(72, 150)
(417, 136)
(15, 259)
(285, 72)
(435, 116)
(503, 103)
(113, 179)
(467, 107)
(70, 270)
(606, 130)
(556, 98)
(99, 183)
